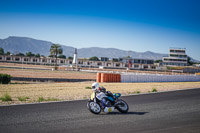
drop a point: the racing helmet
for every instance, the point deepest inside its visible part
(95, 86)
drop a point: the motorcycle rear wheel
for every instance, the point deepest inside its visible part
(94, 107)
(122, 106)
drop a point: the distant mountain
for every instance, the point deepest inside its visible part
(15, 45)
(24, 44)
(116, 53)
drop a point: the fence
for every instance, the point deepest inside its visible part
(135, 78)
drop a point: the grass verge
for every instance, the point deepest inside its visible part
(42, 99)
(6, 97)
(22, 99)
(154, 90)
(75, 91)
(87, 87)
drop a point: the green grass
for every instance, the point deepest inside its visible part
(52, 99)
(154, 90)
(6, 97)
(85, 97)
(23, 98)
(41, 99)
(18, 83)
(138, 92)
(87, 87)
(131, 92)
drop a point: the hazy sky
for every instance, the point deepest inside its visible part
(137, 25)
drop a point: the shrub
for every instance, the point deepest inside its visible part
(23, 98)
(94, 58)
(6, 97)
(41, 99)
(4, 78)
(154, 90)
(56, 67)
(62, 56)
(138, 92)
(87, 87)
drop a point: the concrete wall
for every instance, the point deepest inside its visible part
(131, 78)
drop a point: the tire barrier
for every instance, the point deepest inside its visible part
(108, 77)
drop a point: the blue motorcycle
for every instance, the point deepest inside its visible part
(106, 102)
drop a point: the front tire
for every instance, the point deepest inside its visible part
(122, 106)
(94, 107)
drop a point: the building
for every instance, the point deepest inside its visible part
(33, 60)
(121, 63)
(104, 59)
(177, 57)
(136, 63)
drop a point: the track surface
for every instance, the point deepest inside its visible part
(174, 112)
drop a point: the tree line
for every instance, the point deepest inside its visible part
(55, 51)
(30, 54)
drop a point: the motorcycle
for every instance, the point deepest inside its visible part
(99, 101)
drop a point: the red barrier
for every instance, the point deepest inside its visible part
(98, 77)
(108, 77)
(102, 78)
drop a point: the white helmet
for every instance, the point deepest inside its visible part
(95, 86)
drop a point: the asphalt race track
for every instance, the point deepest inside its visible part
(168, 112)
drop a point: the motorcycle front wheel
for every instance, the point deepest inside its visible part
(94, 107)
(122, 106)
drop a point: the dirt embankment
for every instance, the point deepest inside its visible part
(26, 73)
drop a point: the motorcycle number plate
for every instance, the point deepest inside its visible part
(100, 96)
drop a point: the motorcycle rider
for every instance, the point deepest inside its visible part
(98, 89)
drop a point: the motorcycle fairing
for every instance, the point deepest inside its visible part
(117, 95)
(111, 98)
(100, 96)
(92, 96)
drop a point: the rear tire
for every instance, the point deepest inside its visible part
(122, 106)
(94, 107)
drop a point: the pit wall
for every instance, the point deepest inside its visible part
(136, 78)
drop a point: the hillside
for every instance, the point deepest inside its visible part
(15, 45)
(24, 44)
(116, 53)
